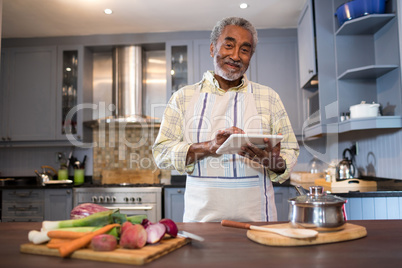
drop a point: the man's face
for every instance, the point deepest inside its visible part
(232, 53)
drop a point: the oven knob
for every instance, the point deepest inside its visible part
(113, 199)
(139, 199)
(125, 199)
(107, 199)
(132, 199)
(101, 199)
(94, 199)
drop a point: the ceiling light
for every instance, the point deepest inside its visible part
(243, 5)
(108, 11)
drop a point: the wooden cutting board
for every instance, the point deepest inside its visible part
(119, 255)
(349, 232)
(347, 185)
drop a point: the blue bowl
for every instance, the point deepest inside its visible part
(346, 12)
(367, 7)
(358, 8)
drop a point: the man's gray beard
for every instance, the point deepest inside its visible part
(226, 75)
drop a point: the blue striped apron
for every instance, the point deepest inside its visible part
(230, 186)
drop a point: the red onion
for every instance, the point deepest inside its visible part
(155, 232)
(171, 227)
(86, 209)
(145, 223)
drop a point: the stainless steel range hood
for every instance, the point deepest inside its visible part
(127, 82)
(127, 88)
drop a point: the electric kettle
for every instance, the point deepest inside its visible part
(345, 169)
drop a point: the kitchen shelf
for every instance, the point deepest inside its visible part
(313, 131)
(365, 25)
(370, 123)
(367, 72)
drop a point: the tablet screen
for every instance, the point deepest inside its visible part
(235, 141)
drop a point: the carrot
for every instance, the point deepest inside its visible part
(81, 242)
(65, 234)
(57, 242)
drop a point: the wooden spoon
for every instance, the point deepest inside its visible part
(288, 232)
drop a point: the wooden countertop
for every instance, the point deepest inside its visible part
(230, 247)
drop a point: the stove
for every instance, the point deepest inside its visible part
(130, 199)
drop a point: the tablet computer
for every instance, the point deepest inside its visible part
(235, 141)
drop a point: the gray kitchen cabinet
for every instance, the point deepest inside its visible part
(357, 62)
(366, 73)
(22, 205)
(275, 65)
(40, 86)
(282, 195)
(37, 205)
(58, 204)
(374, 208)
(74, 94)
(28, 91)
(306, 44)
(179, 65)
(174, 203)
(202, 58)
(3, 86)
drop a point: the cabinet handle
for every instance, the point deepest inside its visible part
(22, 208)
(179, 191)
(68, 192)
(22, 194)
(9, 138)
(310, 71)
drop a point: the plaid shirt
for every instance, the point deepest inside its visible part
(170, 151)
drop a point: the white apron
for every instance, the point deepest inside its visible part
(228, 187)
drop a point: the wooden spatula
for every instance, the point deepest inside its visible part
(288, 232)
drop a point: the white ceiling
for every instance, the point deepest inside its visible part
(45, 18)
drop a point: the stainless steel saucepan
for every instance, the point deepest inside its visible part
(317, 210)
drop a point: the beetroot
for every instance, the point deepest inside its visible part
(84, 210)
(155, 232)
(171, 227)
(133, 237)
(125, 226)
(104, 242)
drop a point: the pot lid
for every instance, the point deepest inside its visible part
(317, 196)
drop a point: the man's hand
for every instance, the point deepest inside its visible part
(268, 157)
(198, 151)
(220, 137)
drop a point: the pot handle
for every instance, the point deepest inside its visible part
(344, 154)
(49, 167)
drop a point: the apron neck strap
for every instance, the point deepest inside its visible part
(198, 90)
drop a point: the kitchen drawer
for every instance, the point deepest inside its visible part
(23, 195)
(18, 209)
(22, 219)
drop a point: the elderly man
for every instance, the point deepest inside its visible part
(200, 117)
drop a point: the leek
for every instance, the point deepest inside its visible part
(136, 219)
(37, 237)
(97, 219)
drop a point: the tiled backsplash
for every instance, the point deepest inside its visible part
(126, 147)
